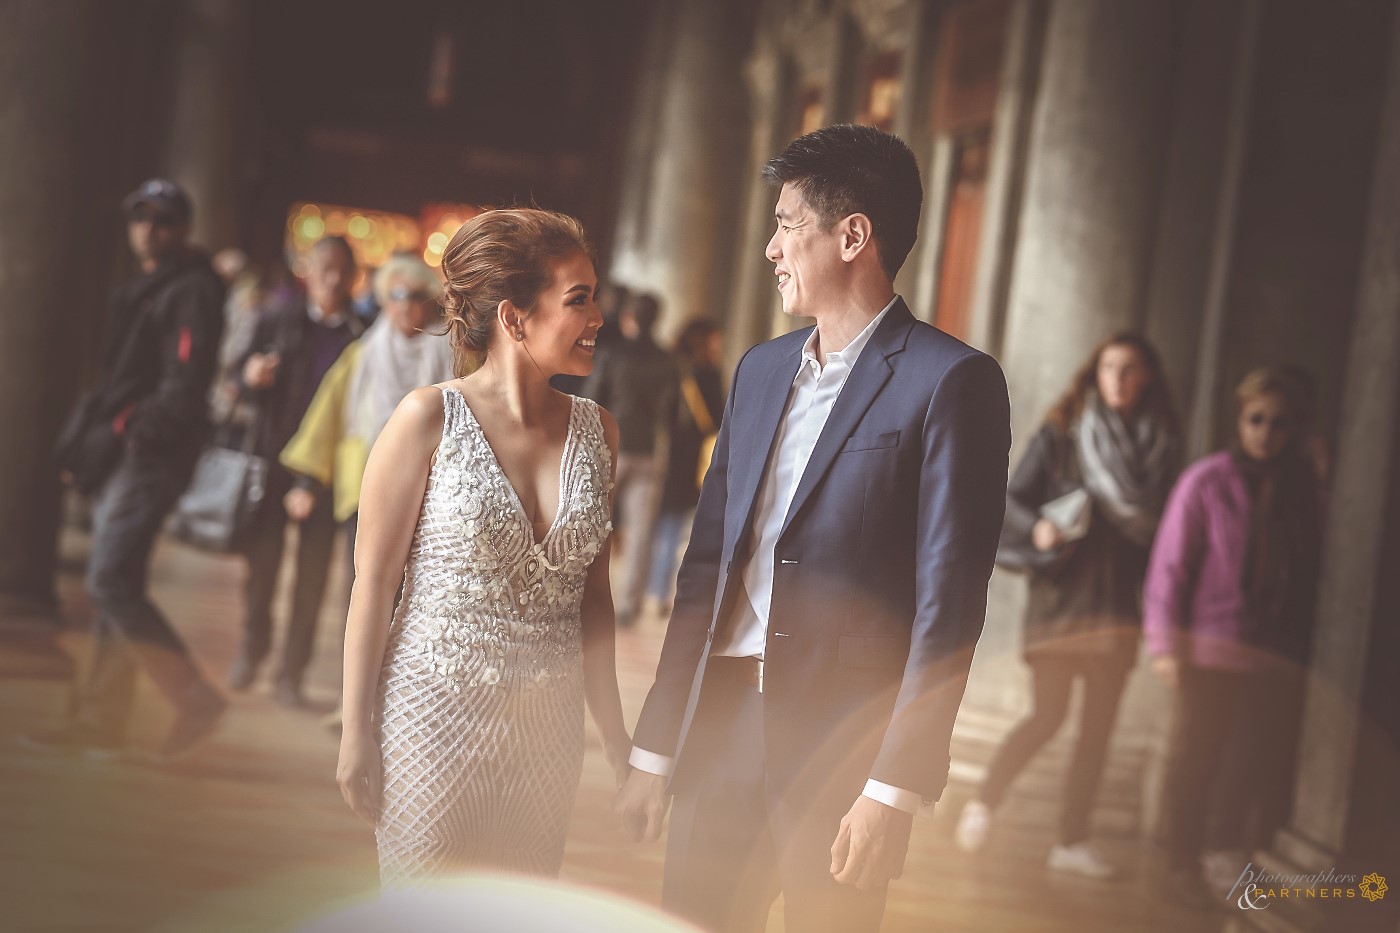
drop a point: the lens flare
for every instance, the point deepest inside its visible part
(498, 902)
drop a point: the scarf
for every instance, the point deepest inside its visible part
(1283, 556)
(391, 366)
(1128, 467)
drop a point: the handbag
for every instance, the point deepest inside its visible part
(225, 492)
(700, 414)
(1070, 513)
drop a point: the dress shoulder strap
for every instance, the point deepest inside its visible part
(587, 419)
(454, 411)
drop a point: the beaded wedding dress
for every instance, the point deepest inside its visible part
(482, 704)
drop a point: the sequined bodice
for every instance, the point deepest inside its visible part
(484, 599)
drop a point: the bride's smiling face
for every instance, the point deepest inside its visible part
(562, 331)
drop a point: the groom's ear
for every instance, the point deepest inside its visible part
(857, 236)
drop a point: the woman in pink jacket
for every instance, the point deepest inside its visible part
(1228, 615)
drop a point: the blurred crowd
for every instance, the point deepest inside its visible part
(300, 374)
(244, 400)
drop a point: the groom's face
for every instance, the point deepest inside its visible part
(805, 253)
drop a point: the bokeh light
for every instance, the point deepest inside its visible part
(374, 235)
(498, 902)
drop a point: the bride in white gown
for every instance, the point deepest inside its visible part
(487, 498)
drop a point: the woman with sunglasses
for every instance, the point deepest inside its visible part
(1228, 616)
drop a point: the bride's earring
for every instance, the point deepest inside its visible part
(520, 335)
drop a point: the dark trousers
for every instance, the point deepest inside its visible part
(1230, 782)
(733, 847)
(1052, 677)
(1256, 777)
(263, 551)
(129, 631)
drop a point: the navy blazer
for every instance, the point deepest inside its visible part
(880, 572)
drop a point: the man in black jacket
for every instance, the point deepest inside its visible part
(132, 443)
(637, 381)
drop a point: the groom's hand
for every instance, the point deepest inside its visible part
(642, 803)
(871, 844)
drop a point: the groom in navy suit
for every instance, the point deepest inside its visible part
(836, 579)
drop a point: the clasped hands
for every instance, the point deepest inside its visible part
(868, 853)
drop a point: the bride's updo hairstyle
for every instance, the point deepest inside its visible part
(498, 256)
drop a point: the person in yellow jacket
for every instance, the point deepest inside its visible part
(402, 350)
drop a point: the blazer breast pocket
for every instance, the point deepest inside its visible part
(871, 442)
(873, 651)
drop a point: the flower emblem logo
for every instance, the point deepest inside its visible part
(1373, 887)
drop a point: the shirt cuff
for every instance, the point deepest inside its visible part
(650, 762)
(896, 797)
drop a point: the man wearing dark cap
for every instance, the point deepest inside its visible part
(132, 443)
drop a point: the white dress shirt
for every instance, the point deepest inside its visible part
(815, 388)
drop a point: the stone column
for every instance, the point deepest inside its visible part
(208, 132)
(47, 314)
(634, 199)
(1191, 263)
(1083, 237)
(916, 280)
(1346, 815)
(770, 86)
(841, 82)
(691, 216)
(1091, 191)
(1005, 176)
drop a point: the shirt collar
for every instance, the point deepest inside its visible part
(318, 316)
(847, 356)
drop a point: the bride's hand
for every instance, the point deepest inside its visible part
(617, 754)
(360, 773)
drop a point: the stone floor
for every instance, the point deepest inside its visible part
(251, 834)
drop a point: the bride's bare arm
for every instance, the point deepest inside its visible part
(599, 643)
(390, 500)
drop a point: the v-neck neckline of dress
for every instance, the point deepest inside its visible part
(519, 507)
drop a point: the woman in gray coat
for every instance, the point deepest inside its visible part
(1081, 510)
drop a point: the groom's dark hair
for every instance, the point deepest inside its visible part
(849, 169)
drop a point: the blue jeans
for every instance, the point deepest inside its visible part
(129, 631)
(665, 555)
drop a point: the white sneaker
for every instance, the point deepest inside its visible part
(1080, 859)
(974, 823)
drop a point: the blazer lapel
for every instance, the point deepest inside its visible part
(758, 434)
(867, 378)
